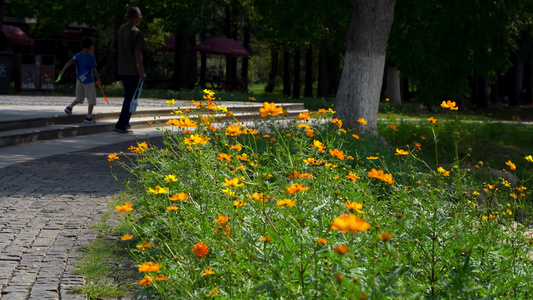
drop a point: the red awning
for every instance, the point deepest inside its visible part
(16, 36)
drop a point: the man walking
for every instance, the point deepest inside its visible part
(129, 45)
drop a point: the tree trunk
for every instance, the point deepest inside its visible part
(364, 61)
(513, 81)
(185, 66)
(274, 57)
(244, 70)
(296, 83)
(203, 64)
(286, 73)
(392, 90)
(528, 83)
(334, 72)
(323, 76)
(308, 89)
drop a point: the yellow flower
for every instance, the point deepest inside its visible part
(233, 182)
(449, 104)
(214, 291)
(352, 176)
(349, 223)
(362, 121)
(354, 206)
(529, 158)
(321, 241)
(178, 197)
(372, 157)
(149, 267)
(443, 171)
(123, 208)
(196, 140)
(318, 145)
(112, 157)
(511, 165)
(170, 102)
(240, 203)
(208, 272)
(126, 237)
(295, 188)
(286, 203)
(147, 280)
(401, 152)
(172, 208)
(228, 192)
(158, 190)
(171, 178)
(270, 109)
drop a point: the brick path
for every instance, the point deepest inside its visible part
(46, 209)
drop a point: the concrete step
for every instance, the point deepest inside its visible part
(29, 129)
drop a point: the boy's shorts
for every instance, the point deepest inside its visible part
(85, 90)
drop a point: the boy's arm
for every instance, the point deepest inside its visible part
(68, 64)
(95, 74)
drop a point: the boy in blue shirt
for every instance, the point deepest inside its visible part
(85, 73)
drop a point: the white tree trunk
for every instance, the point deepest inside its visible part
(393, 85)
(364, 62)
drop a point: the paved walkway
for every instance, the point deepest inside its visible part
(46, 209)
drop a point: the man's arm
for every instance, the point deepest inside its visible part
(140, 65)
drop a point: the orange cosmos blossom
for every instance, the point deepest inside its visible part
(349, 223)
(385, 237)
(449, 104)
(221, 219)
(354, 206)
(112, 157)
(178, 197)
(336, 153)
(338, 122)
(123, 208)
(126, 237)
(149, 267)
(233, 130)
(362, 121)
(380, 175)
(511, 165)
(352, 176)
(145, 245)
(208, 272)
(318, 145)
(158, 190)
(224, 156)
(147, 280)
(270, 109)
(161, 277)
(341, 249)
(295, 188)
(266, 238)
(310, 132)
(286, 203)
(321, 241)
(304, 117)
(172, 208)
(401, 152)
(200, 250)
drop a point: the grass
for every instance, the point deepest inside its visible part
(315, 211)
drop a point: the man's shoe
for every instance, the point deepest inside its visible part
(68, 110)
(122, 130)
(89, 120)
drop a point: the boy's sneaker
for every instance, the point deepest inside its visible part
(89, 120)
(68, 110)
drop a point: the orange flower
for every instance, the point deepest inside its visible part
(349, 223)
(310, 132)
(354, 206)
(161, 277)
(200, 250)
(266, 238)
(338, 122)
(196, 139)
(393, 127)
(233, 182)
(449, 104)
(295, 188)
(385, 237)
(145, 245)
(233, 130)
(158, 190)
(149, 267)
(112, 157)
(252, 99)
(270, 109)
(321, 241)
(147, 280)
(172, 208)
(511, 165)
(208, 272)
(224, 156)
(401, 152)
(380, 175)
(362, 121)
(123, 208)
(126, 237)
(304, 117)
(286, 203)
(178, 197)
(336, 153)
(356, 136)
(352, 176)
(240, 203)
(341, 249)
(318, 145)
(221, 219)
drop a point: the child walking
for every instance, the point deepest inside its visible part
(85, 73)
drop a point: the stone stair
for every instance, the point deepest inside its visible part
(58, 125)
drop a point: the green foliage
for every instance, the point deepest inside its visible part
(450, 236)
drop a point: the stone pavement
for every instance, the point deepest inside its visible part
(47, 206)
